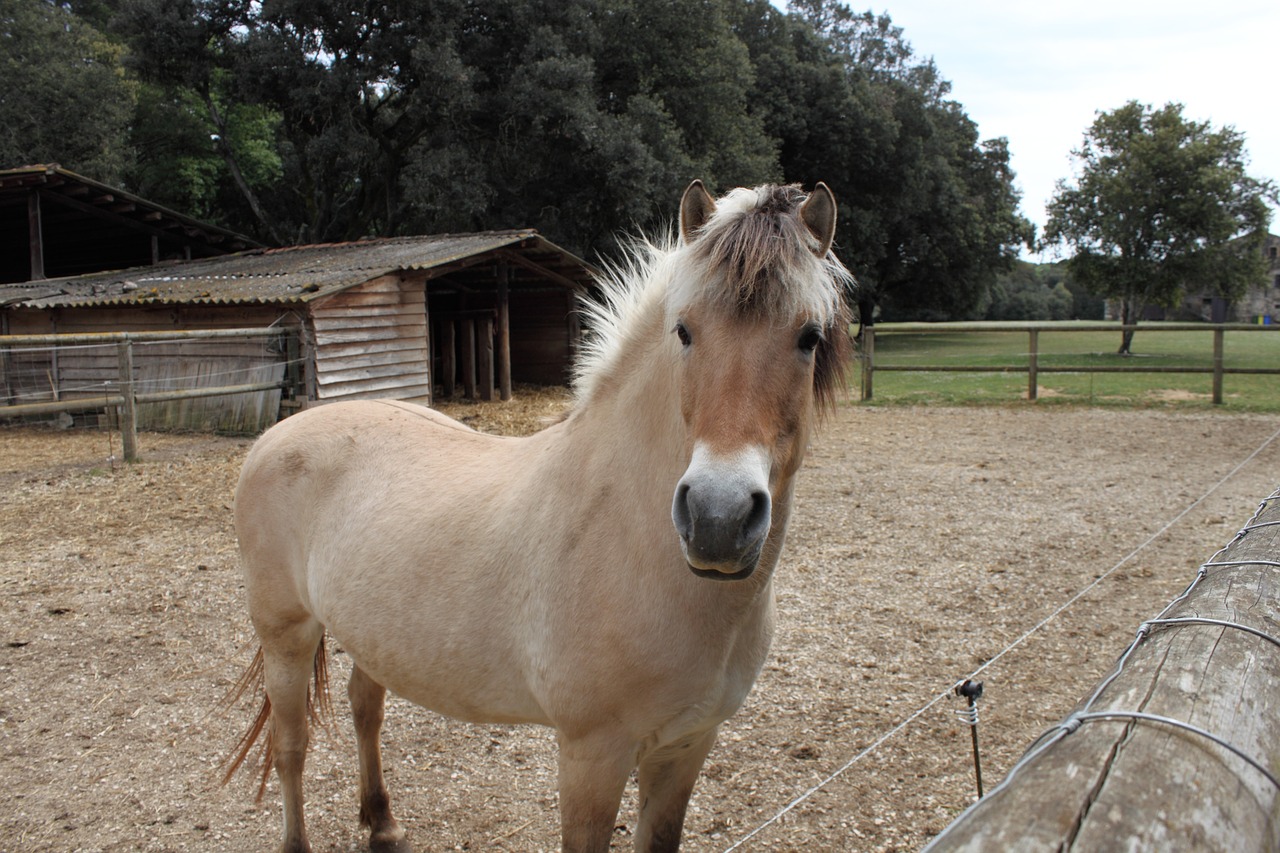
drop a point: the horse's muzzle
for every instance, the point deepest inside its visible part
(722, 512)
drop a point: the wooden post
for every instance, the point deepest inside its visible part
(468, 356)
(35, 231)
(6, 369)
(1105, 779)
(504, 332)
(128, 407)
(296, 392)
(1032, 365)
(484, 357)
(308, 340)
(1217, 365)
(448, 356)
(426, 324)
(868, 359)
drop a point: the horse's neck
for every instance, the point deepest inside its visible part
(634, 406)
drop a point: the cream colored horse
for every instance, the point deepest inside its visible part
(611, 576)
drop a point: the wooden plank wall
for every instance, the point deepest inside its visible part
(542, 339)
(38, 375)
(371, 341)
(208, 364)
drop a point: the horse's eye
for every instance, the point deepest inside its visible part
(683, 333)
(810, 337)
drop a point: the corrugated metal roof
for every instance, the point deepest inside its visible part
(288, 275)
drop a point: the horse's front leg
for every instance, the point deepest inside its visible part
(593, 774)
(667, 777)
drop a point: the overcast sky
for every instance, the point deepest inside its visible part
(1038, 72)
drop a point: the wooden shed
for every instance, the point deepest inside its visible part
(54, 222)
(406, 318)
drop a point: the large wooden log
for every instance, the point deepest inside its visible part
(1134, 767)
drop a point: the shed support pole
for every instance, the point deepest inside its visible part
(484, 357)
(504, 332)
(36, 233)
(469, 357)
(128, 408)
(448, 362)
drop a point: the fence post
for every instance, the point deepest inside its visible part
(1217, 365)
(868, 353)
(128, 409)
(1032, 365)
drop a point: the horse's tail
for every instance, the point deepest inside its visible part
(253, 682)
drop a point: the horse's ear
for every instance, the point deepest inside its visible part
(696, 207)
(819, 215)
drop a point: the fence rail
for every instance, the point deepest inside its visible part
(1033, 368)
(123, 395)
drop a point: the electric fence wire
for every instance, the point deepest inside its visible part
(105, 387)
(1046, 740)
(1059, 732)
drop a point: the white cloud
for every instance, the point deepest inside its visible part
(1037, 73)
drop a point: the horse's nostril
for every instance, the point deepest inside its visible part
(756, 525)
(680, 512)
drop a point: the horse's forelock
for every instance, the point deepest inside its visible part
(755, 255)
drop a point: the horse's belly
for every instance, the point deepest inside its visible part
(478, 679)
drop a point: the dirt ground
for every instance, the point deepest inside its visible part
(926, 542)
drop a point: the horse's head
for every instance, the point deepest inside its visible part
(757, 313)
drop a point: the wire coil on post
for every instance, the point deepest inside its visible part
(972, 690)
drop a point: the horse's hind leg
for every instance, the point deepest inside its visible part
(289, 655)
(667, 777)
(367, 703)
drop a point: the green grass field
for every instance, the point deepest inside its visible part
(1060, 345)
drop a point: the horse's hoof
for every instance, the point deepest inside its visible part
(390, 843)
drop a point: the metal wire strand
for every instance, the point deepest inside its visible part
(1222, 623)
(1088, 716)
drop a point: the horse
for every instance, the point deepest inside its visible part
(610, 576)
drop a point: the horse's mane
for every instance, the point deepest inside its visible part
(753, 256)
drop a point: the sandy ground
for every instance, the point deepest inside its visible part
(926, 543)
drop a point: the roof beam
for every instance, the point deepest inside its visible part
(521, 261)
(126, 221)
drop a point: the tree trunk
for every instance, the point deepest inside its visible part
(229, 157)
(1130, 313)
(866, 308)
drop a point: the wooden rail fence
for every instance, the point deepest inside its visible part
(124, 396)
(1033, 368)
(1176, 748)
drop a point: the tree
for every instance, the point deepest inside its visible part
(1161, 203)
(65, 98)
(578, 117)
(1029, 293)
(929, 214)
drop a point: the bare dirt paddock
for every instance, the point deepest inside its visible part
(926, 542)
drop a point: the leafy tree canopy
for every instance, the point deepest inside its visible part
(1161, 203)
(65, 97)
(304, 121)
(929, 213)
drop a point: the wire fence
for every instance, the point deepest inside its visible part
(950, 690)
(230, 380)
